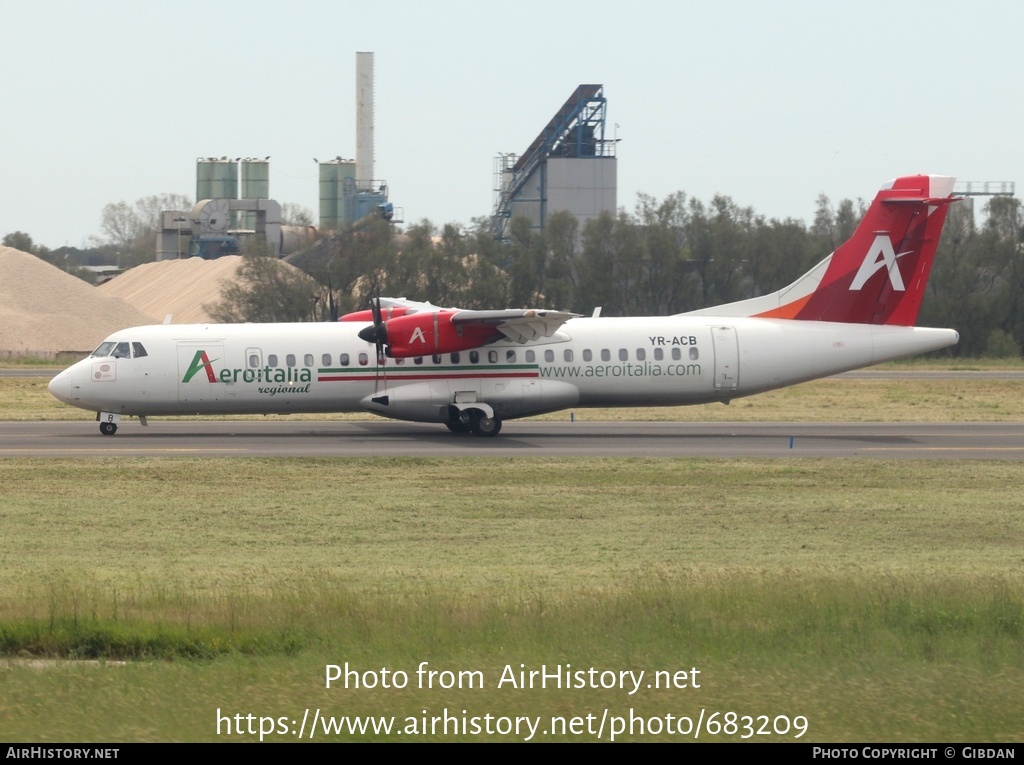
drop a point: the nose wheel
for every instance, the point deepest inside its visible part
(108, 428)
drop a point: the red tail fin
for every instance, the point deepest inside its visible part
(879, 275)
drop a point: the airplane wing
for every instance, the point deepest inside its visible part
(519, 326)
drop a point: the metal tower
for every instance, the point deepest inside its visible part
(569, 166)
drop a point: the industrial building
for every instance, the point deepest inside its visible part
(227, 213)
(569, 166)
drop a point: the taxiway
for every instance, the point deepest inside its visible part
(251, 438)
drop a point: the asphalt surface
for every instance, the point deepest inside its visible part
(248, 438)
(555, 439)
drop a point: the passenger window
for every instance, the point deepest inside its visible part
(474, 357)
(531, 357)
(254, 361)
(606, 355)
(587, 355)
(549, 355)
(363, 359)
(343, 359)
(676, 354)
(623, 354)
(510, 357)
(271, 359)
(659, 354)
(308, 359)
(456, 357)
(326, 359)
(694, 354)
(641, 354)
(567, 355)
(492, 357)
(418, 360)
(290, 359)
(121, 351)
(436, 358)
(399, 362)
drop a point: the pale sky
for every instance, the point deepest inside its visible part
(770, 103)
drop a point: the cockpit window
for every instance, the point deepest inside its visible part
(104, 349)
(138, 350)
(121, 351)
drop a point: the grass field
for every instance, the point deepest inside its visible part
(155, 600)
(873, 601)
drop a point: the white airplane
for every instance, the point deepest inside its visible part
(470, 370)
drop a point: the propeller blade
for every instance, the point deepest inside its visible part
(377, 334)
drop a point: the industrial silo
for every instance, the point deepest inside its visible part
(216, 178)
(255, 185)
(333, 174)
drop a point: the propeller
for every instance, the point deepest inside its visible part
(377, 333)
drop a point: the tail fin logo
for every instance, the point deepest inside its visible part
(880, 255)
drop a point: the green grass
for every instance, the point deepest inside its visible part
(56, 361)
(882, 601)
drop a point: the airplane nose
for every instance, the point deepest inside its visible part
(61, 387)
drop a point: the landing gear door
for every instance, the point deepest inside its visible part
(727, 358)
(198, 368)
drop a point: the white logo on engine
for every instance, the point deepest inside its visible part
(418, 333)
(880, 255)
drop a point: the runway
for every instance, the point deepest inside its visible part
(247, 438)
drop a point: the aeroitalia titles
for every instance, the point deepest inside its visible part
(266, 374)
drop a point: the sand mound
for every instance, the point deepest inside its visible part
(45, 311)
(177, 287)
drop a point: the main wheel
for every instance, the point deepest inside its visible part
(457, 426)
(108, 428)
(485, 426)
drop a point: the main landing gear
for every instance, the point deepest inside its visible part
(485, 426)
(474, 421)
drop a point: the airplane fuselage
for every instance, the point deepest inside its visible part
(589, 362)
(853, 309)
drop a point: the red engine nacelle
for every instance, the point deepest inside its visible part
(426, 334)
(391, 312)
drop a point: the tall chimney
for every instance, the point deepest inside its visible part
(364, 116)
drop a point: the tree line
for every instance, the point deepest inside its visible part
(663, 257)
(669, 256)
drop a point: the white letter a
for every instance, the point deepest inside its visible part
(880, 255)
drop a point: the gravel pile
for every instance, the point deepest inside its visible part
(44, 311)
(177, 287)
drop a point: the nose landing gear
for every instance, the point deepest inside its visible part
(108, 422)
